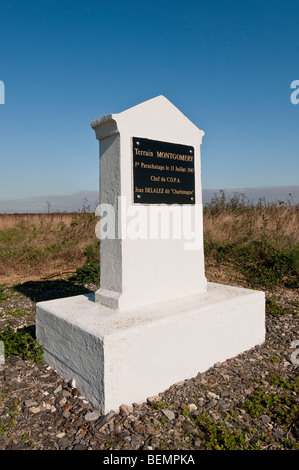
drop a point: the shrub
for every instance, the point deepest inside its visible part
(215, 436)
(260, 261)
(21, 343)
(90, 271)
(274, 309)
(280, 407)
(264, 264)
(3, 295)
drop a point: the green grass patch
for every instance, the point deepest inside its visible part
(10, 412)
(281, 382)
(260, 262)
(273, 359)
(12, 236)
(232, 433)
(264, 264)
(216, 436)
(160, 405)
(280, 407)
(276, 310)
(90, 271)
(16, 313)
(3, 294)
(21, 343)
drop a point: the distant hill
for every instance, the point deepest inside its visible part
(88, 200)
(269, 193)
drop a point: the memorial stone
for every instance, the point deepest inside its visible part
(155, 320)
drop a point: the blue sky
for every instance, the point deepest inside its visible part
(227, 65)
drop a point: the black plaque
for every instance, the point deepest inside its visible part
(163, 172)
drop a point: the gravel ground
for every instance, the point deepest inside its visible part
(246, 402)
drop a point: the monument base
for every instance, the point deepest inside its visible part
(124, 357)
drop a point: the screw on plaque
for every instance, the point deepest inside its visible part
(190, 151)
(138, 196)
(191, 198)
(137, 143)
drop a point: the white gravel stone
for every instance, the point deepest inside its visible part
(92, 415)
(169, 414)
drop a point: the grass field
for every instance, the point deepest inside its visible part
(36, 246)
(245, 244)
(253, 244)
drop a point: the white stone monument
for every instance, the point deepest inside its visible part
(155, 320)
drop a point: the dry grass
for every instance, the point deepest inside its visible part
(44, 221)
(33, 246)
(237, 235)
(278, 224)
(253, 245)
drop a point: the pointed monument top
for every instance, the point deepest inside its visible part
(153, 118)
